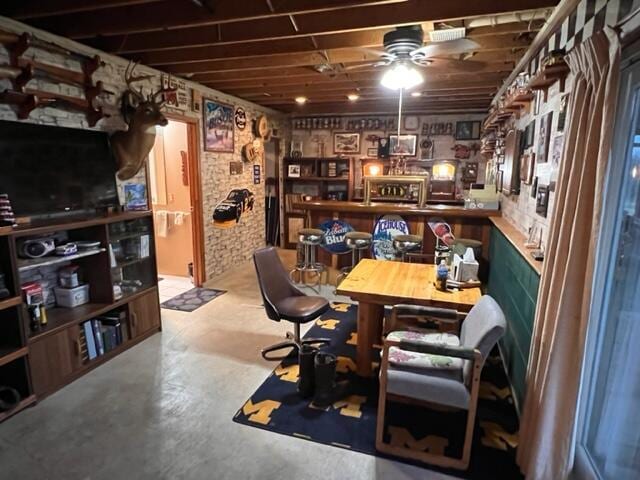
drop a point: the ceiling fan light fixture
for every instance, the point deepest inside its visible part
(416, 94)
(401, 76)
(301, 100)
(353, 97)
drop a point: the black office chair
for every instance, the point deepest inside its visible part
(283, 301)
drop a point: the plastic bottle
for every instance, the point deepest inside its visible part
(442, 273)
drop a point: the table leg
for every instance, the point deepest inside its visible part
(370, 318)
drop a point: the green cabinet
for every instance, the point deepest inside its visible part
(514, 285)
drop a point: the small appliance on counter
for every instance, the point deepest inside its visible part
(485, 199)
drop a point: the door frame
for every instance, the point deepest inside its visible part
(195, 193)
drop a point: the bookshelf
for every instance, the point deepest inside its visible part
(123, 299)
(321, 178)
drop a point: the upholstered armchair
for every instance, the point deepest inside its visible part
(439, 368)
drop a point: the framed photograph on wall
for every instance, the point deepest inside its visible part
(467, 130)
(372, 152)
(411, 122)
(404, 145)
(544, 135)
(346, 142)
(218, 126)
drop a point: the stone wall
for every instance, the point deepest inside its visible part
(223, 248)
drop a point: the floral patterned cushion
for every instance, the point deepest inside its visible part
(439, 365)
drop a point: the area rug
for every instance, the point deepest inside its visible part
(192, 299)
(351, 422)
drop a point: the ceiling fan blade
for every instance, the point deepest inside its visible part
(372, 51)
(450, 47)
(460, 65)
(365, 65)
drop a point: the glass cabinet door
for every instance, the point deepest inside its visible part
(609, 433)
(132, 256)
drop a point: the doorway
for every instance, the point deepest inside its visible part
(175, 200)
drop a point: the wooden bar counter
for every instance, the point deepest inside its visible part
(465, 223)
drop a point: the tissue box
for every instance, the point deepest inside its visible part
(72, 297)
(465, 268)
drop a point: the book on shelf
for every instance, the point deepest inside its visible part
(90, 340)
(97, 335)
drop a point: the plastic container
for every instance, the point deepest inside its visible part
(72, 297)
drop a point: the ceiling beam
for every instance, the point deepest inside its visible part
(170, 14)
(430, 83)
(330, 57)
(372, 89)
(322, 23)
(483, 99)
(342, 108)
(293, 90)
(365, 38)
(22, 10)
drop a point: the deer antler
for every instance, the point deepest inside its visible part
(129, 78)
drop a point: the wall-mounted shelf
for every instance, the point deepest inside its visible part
(549, 75)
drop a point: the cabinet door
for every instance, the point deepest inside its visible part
(144, 314)
(54, 359)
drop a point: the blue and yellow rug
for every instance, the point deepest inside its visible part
(351, 422)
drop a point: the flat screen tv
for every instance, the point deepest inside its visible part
(52, 171)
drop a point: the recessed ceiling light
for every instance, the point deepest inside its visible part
(416, 94)
(301, 100)
(353, 97)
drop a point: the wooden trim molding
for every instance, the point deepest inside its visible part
(517, 239)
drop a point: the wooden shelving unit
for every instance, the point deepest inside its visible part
(316, 181)
(37, 363)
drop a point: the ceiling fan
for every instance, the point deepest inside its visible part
(406, 45)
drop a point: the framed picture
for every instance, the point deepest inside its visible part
(404, 145)
(383, 147)
(346, 142)
(529, 134)
(562, 115)
(294, 170)
(218, 126)
(467, 130)
(544, 135)
(411, 122)
(527, 162)
(499, 180)
(372, 152)
(556, 150)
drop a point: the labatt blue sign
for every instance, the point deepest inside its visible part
(334, 232)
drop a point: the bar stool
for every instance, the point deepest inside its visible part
(357, 242)
(309, 238)
(404, 244)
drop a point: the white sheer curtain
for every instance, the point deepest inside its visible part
(613, 437)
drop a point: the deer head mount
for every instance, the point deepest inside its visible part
(142, 114)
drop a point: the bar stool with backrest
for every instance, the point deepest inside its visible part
(283, 301)
(404, 244)
(357, 242)
(309, 239)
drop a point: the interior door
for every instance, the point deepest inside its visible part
(608, 441)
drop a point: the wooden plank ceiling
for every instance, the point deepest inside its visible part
(272, 51)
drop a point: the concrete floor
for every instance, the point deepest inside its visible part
(163, 410)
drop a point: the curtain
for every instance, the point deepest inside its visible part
(557, 344)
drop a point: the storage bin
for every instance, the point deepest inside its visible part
(72, 297)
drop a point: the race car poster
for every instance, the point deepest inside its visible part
(218, 126)
(228, 212)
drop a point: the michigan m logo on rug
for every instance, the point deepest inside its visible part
(260, 412)
(401, 437)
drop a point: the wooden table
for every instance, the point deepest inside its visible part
(375, 283)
